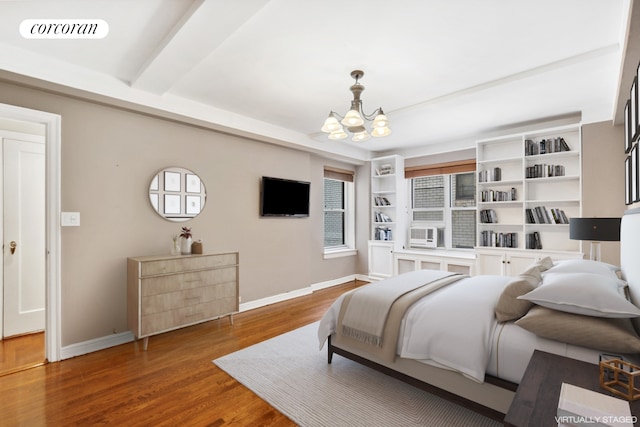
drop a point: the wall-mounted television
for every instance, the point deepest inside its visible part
(284, 197)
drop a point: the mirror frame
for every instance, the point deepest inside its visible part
(177, 194)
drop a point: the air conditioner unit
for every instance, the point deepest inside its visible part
(423, 237)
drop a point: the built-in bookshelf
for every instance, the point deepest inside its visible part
(388, 217)
(529, 186)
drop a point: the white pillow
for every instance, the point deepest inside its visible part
(583, 293)
(584, 266)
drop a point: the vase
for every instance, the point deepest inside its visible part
(185, 246)
(175, 247)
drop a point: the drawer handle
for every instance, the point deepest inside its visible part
(193, 314)
(197, 299)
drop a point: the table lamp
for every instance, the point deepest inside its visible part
(596, 230)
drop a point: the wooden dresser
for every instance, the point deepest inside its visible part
(170, 292)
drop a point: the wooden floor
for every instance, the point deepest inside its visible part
(22, 352)
(173, 383)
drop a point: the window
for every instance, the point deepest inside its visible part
(334, 213)
(447, 202)
(339, 212)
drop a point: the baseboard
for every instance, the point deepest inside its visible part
(95, 344)
(300, 292)
(274, 299)
(334, 282)
(102, 343)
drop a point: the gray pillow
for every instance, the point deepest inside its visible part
(613, 335)
(509, 307)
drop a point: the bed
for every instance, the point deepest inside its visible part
(469, 339)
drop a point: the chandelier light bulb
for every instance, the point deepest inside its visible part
(380, 131)
(331, 124)
(380, 121)
(338, 134)
(352, 119)
(360, 136)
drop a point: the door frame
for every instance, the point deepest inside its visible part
(53, 142)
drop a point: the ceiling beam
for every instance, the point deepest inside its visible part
(209, 23)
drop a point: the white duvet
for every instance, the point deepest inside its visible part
(451, 328)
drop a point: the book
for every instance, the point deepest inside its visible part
(490, 175)
(532, 241)
(545, 146)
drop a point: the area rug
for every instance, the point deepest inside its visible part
(292, 375)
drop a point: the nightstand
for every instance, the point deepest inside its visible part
(536, 400)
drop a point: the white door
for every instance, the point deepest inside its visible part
(24, 236)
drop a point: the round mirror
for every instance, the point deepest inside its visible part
(177, 194)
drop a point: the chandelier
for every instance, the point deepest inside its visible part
(355, 117)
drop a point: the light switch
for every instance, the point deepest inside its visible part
(70, 219)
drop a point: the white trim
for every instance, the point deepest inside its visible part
(274, 299)
(53, 138)
(96, 344)
(298, 293)
(334, 282)
(339, 253)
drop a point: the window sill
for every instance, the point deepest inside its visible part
(441, 252)
(339, 253)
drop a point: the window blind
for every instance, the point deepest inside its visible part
(339, 174)
(459, 166)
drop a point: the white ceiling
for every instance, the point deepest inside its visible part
(445, 72)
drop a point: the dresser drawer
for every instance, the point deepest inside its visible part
(168, 292)
(177, 265)
(167, 320)
(173, 300)
(183, 281)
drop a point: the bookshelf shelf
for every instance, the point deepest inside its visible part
(532, 219)
(388, 202)
(504, 203)
(554, 178)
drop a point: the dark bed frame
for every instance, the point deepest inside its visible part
(476, 407)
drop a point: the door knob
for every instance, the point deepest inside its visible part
(12, 246)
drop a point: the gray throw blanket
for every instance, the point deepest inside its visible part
(366, 314)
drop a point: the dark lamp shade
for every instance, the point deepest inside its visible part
(597, 229)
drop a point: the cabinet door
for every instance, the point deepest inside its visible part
(490, 264)
(380, 259)
(405, 264)
(517, 263)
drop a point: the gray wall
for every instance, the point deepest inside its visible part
(109, 156)
(603, 179)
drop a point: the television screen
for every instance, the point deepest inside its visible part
(284, 197)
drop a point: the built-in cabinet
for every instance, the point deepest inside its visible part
(388, 225)
(170, 292)
(380, 259)
(528, 186)
(511, 262)
(453, 261)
